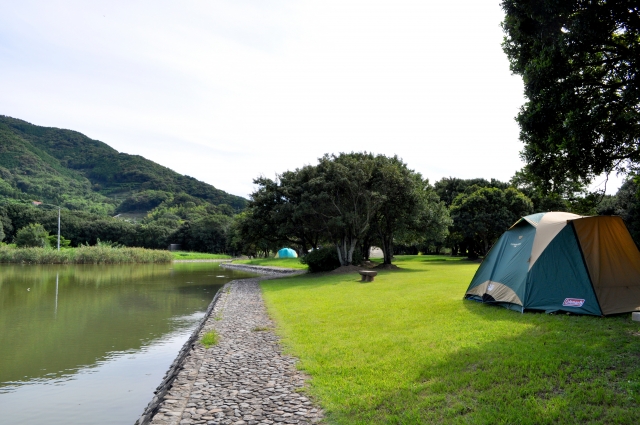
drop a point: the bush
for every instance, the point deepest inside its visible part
(322, 260)
(32, 236)
(64, 242)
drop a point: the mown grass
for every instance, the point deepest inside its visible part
(210, 339)
(83, 255)
(406, 349)
(184, 255)
(290, 263)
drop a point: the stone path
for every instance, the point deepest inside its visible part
(244, 379)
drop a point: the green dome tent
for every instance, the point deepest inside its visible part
(287, 253)
(559, 261)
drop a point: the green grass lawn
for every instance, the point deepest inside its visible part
(290, 263)
(406, 349)
(183, 255)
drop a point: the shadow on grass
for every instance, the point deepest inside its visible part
(542, 369)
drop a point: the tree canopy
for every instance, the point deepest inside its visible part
(32, 235)
(348, 201)
(482, 214)
(579, 60)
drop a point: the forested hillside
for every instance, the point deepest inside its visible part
(67, 168)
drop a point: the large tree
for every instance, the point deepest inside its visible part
(411, 212)
(280, 210)
(345, 200)
(579, 60)
(482, 214)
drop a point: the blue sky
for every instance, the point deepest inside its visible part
(225, 91)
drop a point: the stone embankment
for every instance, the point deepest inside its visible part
(266, 270)
(244, 379)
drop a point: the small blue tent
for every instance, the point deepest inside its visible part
(286, 253)
(558, 261)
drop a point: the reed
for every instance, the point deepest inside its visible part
(83, 255)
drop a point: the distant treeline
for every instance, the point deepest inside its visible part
(307, 207)
(480, 211)
(203, 228)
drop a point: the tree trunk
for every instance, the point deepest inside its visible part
(345, 250)
(387, 250)
(366, 249)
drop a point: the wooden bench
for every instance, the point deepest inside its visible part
(367, 275)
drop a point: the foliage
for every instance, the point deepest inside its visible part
(145, 200)
(210, 339)
(53, 241)
(208, 234)
(483, 214)
(448, 188)
(406, 349)
(66, 168)
(321, 260)
(31, 236)
(248, 237)
(282, 211)
(626, 204)
(196, 227)
(83, 255)
(108, 244)
(579, 61)
(411, 212)
(346, 200)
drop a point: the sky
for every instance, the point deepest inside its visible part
(227, 91)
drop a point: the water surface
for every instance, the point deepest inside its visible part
(89, 344)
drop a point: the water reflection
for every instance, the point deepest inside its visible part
(86, 332)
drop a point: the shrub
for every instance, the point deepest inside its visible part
(322, 260)
(32, 236)
(64, 242)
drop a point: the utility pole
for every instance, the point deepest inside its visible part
(58, 228)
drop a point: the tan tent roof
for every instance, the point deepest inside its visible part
(546, 229)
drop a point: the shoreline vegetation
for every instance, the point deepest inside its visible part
(83, 255)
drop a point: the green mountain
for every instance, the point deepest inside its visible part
(67, 168)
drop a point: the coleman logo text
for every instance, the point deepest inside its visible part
(573, 302)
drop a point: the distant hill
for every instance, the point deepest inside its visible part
(67, 168)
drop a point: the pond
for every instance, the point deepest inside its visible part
(89, 344)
